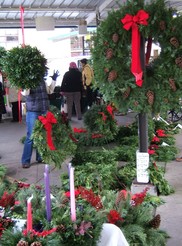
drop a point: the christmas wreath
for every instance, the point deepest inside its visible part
(53, 138)
(101, 127)
(25, 66)
(127, 76)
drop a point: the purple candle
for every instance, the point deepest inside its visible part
(47, 193)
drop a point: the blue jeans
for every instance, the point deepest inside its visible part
(31, 117)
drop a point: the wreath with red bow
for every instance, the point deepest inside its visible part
(52, 137)
(125, 73)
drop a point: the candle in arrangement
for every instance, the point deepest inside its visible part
(72, 195)
(47, 193)
(29, 214)
(69, 166)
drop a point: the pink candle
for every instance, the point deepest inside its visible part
(72, 195)
(29, 214)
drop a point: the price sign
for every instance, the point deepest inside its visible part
(142, 166)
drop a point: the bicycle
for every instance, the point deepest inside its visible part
(175, 116)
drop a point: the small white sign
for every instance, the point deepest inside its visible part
(142, 166)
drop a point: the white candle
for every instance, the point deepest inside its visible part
(72, 195)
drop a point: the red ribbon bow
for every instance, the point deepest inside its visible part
(130, 21)
(47, 121)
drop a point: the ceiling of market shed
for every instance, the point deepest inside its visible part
(64, 12)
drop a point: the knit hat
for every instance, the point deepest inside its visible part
(73, 65)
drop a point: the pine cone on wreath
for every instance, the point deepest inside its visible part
(60, 228)
(155, 222)
(178, 61)
(126, 93)
(106, 70)
(112, 75)
(36, 244)
(136, 103)
(115, 37)
(109, 53)
(150, 97)
(172, 84)
(162, 25)
(22, 243)
(174, 41)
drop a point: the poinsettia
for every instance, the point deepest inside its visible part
(114, 217)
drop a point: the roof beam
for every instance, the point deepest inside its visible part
(58, 9)
(101, 8)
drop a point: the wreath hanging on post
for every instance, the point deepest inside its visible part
(112, 57)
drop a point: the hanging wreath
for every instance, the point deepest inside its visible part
(25, 66)
(154, 85)
(52, 137)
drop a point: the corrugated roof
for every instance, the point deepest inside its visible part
(64, 12)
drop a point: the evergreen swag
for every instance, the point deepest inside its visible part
(111, 55)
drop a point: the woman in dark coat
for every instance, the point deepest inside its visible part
(2, 105)
(71, 88)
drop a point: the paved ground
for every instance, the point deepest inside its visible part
(11, 151)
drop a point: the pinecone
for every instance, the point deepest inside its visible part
(135, 103)
(106, 70)
(174, 41)
(162, 25)
(109, 53)
(150, 97)
(22, 243)
(115, 37)
(112, 76)
(61, 228)
(36, 244)
(178, 61)
(172, 84)
(126, 93)
(155, 222)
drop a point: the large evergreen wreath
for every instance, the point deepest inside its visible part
(111, 54)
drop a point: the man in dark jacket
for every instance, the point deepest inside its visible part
(71, 88)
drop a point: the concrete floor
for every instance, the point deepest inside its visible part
(11, 151)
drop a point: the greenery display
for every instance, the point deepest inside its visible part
(65, 144)
(125, 210)
(100, 126)
(25, 66)
(111, 55)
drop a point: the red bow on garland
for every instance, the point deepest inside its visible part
(130, 21)
(47, 121)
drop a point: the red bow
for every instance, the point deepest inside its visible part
(47, 121)
(130, 21)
